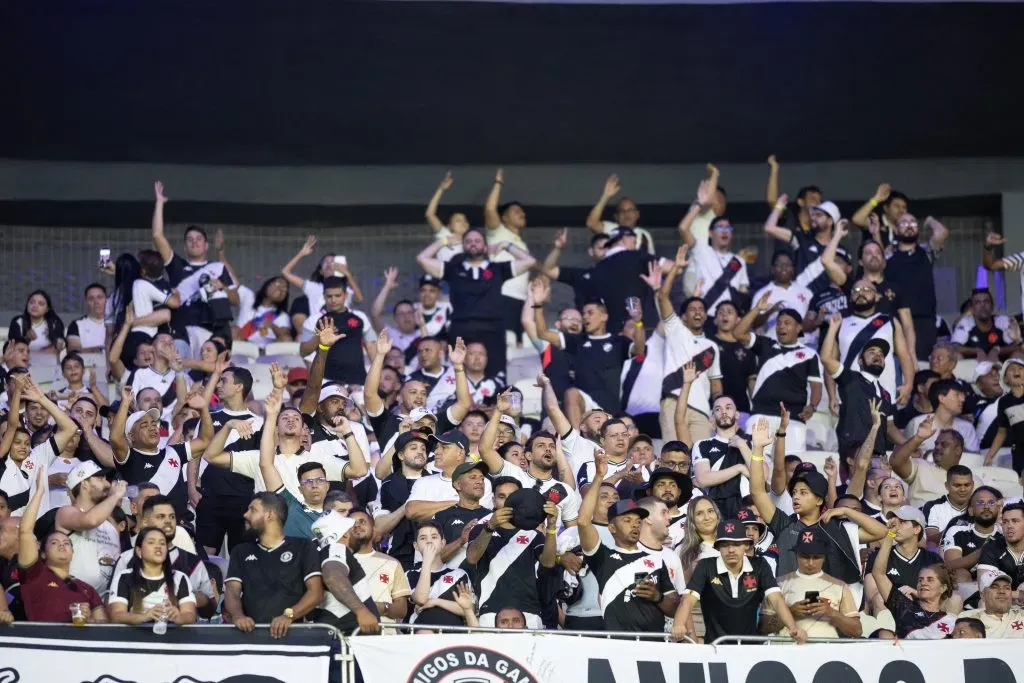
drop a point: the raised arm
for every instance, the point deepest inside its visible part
(428, 261)
(28, 545)
(66, 427)
(595, 222)
(117, 368)
(558, 419)
(431, 214)
(377, 309)
(993, 240)
(682, 403)
(879, 572)
(761, 309)
(771, 190)
(306, 250)
(541, 292)
(860, 218)
(871, 529)
(829, 349)
(357, 293)
(199, 444)
(778, 479)
(589, 538)
(832, 267)
(523, 261)
(550, 265)
(374, 403)
(325, 338)
(663, 300)
(907, 364)
(771, 224)
(118, 439)
(758, 490)
(463, 398)
(159, 238)
(73, 519)
(491, 217)
(488, 453)
(862, 463)
(691, 215)
(939, 234)
(900, 460)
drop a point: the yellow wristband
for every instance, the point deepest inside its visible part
(757, 458)
(873, 202)
(639, 323)
(779, 206)
(323, 348)
(891, 534)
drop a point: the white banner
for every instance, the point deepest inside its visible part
(37, 653)
(520, 658)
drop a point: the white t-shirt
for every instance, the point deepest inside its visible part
(517, 286)
(437, 488)
(681, 346)
(95, 552)
(145, 297)
(796, 296)
(91, 333)
(710, 265)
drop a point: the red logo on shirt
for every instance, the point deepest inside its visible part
(523, 539)
(1016, 626)
(734, 265)
(801, 298)
(27, 465)
(554, 496)
(450, 379)
(173, 462)
(877, 322)
(438, 318)
(944, 627)
(384, 578)
(800, 355)
(485, 392)
(449, 578)
(750, 582)
(487, 274)
(993, 337)
(649, 564)
(353, 322)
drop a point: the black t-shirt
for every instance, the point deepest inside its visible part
(581, 281)
(911, 273)
(196, 312)
(455, 519)
(506, 573)
(345, 359)
(221, 481)
(617, 572)
(164, 469)
(738, 364)
(856, 391)
(903, 571)
(997, 554)
(10, 582)
(731, 611)
(598, 365)
(985, 418)
(273, 579)
(442, 586)
(985, 341)
(616, 278)
(904, 415)
(719, 455)
(912, 618)
(475, 290)
(1011, 418)
(784, 375)
(394, 492)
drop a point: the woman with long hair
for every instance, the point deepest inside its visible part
(702, 517)
(150, 589)
(269, 320)
(39, 324)
(15, 447)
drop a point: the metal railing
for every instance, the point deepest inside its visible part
(781, 640)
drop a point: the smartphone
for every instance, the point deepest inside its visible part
(341, 259)
(104, 257)
(639, 578)
(811, 596)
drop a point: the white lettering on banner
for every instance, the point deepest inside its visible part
(36, 653)
(521, 658)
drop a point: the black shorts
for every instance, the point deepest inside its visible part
(584, 623)
(220, 516)
(512, 315)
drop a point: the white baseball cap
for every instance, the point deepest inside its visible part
(986, 579)
(331, 528)
(417, 414)
(81, 473)
(511, 422)
(332, 390)
(136, 416)
(982, 369)
(831, 209)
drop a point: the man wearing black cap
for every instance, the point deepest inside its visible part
(858, 388)
(808, 490)
(675, 490)
(635, 594)
(430, 495)
(456, 522)
(730, 589)
(617, 277)
(786, 369)
(411, 456)
(505, 552)
(822, 605)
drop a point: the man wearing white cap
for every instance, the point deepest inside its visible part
(1008, 417)
(808, 247)
(987, 384)
(997, 612)
(135, 441)
(348, 601)
(86, 521)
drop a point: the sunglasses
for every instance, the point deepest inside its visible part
(311, 482)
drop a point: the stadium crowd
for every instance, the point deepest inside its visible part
(703, 454)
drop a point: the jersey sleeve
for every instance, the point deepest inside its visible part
(700, 578)
(665, 584)
(950, 541)
(235, 565)
(183, 589)
(246, 463)
(400, 587)
(73, 329)
(310, 561)
(335, 552)
(121, 593)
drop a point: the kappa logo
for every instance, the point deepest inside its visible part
(893, 572)
(460, 664)
(250, 558)
(587, 344)
(287, 556)
(615, 556)
(970, 544)
(148, 466)
(457, 521)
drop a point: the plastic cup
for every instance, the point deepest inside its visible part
(77, 614)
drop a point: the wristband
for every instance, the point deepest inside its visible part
(639, 323)
(891, 534)
(460, 369)
(873, 202)
(779, 206)
(757, 458)
(558, 558)
(780, 433)
(537, 306)
(552, 532)
(323, 348)
(499, 182)
(346, 436)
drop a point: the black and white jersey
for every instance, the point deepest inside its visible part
(328, 446)
(152, 590)
(149, 378)
(968, 334)
(221, 481)
(964, 536)
(340, 553)
(986, 420)
(730, 604)
(1011, 418)
(10, 583)
(202, 305)
(567, 500)
(443, 583)
(453, 521)
(183, 561)
(273, 579)
(585, 600)
(479, 390)
(421, 375)
(784, 375)
(598, 363)
(856, 331)
(913, 622)
(92, 334)
(163, 468)
(507, 571)
(940, 512)
(719, 455)
(436, 319)
(808, 251)
(902, 570)
(997, 556)
(618, 572)
(677, 528)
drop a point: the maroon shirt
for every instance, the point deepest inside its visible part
(48, 597)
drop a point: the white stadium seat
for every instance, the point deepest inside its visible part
(964, 369)
(818, 458)
(1003, 459)
(262, 385)
(1002, 478)
(532, 397)
(286, 348)
(243, 348)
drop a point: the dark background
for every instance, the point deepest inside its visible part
(266, 82)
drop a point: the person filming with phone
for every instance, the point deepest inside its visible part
(822, 605)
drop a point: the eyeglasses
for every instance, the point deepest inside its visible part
(863, 290)
(991, 505)
(675, 465)
(312, 482)
(723, 228)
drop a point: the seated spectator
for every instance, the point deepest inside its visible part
(964, 539)
(941, 511)
(821, 605)
(347, 602)
(39, 325)
(968, 627)
(268, 321)
(948, 398)
(783, 292)
(150, 589)
(907, 559)
(728, 610)
(987, 383)
(275, 580)
(1006, 554)
(48, 590)
(1010, 427)
(997, 612)
(388, 585)
(927, 480)
(435, 584)
(921, 617)
(982, 332)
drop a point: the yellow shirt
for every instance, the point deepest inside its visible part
(1010, 625)
(796, 585)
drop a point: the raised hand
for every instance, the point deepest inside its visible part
(326, 333)
(830, 468)
(773, 162)
(551, 511)
(126, 394)
(542, 381)
(883, 192)
(653, 277)
(221, 363)
(600, 463)
(1013, 331)
(463, 597)
(308, 246)
(904, 391)
(457, 355)
(783, 200)
(30, 391)
(690, 372)
(761, 436)
(561, 238)
(994, 239)
(158, 190)
(390, 277)
(540, 290)
(764, 304)
(712, 170)
(704, 193)
(197, 401)
(272, 405)
(834, 321)
(278, 376)
(118, 489)
(218, 240)
(784, 423)
(611, 186)
(499, 175)
(681, 260)
(842, 228)
(242, 427)
(446, 182)
(504, 402)
(698, 291)
(927, 428)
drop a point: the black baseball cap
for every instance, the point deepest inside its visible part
(809, 542)
(406, 438)
(815, 481)
(626, 507)
(452, 436)
(527, 508)
(618, 233)
(880, 344)
(466, 468)
(429, 279)
(731, 530)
